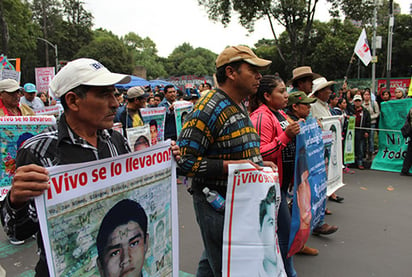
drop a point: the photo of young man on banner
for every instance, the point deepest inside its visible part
(250, 242)
(109, 216)
(309, 192)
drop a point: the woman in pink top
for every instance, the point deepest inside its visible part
(275, 131)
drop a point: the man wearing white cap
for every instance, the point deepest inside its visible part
(321, 91)
(86, 90)
(9, 99)
(217, 133)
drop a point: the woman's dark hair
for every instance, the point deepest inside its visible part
(333, 96)
(221, 71)
(79, 91)
(386, 91)
(267, 84)
(340, 100)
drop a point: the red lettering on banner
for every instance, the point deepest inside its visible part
(70, 182)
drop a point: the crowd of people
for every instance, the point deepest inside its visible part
(247, 118)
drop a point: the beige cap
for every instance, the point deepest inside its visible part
(319, 84)
(9, 85)
(134, 92)
(240, 53)
(84, 71)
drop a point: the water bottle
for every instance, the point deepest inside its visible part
(215, 199)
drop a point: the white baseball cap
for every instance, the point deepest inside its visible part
(9, 85)
(87, 72)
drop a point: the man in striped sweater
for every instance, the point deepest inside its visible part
(217, 133)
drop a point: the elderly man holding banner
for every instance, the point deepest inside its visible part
(86, 91)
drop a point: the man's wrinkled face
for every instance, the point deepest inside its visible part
(10, 99)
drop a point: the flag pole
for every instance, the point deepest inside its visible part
(349, 66)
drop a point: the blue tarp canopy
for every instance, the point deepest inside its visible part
(161, 83)
(135, 81)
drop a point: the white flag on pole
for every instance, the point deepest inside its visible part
(362, 49)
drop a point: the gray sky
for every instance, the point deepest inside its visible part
(171, 23)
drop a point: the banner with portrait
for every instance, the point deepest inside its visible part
(116, 215)
(392, 145)
(14, 131)
(138, 137)
(155, 117)
(182, 109)
(309, 190)
(349, 149)
(334, 170)
(250, 244)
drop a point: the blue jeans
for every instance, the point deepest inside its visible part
(283, 234)
(211, 228)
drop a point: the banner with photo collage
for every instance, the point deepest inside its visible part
(95, 214)
(14, 131)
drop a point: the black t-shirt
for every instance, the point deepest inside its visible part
(288, 153)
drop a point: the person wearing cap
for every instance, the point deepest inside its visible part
(217, 133)
(86, 91)
(29, 97)
(9, 99)
(363, 120)
(321, 91)
(276, 132)
(302, 79)
(129, 115)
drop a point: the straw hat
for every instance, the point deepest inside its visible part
(301, 72)
(319, 84)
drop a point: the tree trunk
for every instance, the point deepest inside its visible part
(4, 30)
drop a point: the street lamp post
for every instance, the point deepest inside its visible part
(55, 50)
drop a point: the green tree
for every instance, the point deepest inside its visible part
(108, 49)
(185, 60)
(296, 16)
(19, 35)
(144, 53)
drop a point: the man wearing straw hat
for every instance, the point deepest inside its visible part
(302, 79)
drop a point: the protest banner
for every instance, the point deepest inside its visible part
(155, 117)
(334, 170)
(56, 110)
(10, 74)
(96, 213)
(250, 244)
(394, 84)
(349, 153)
(138, 137)
(309, 190)
(14, 130)
(44, 75)
(182, 108)
(392, 145)
(181, 81)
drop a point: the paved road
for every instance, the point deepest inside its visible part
(374, 237)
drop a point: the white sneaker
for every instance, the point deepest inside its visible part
(15, 241)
